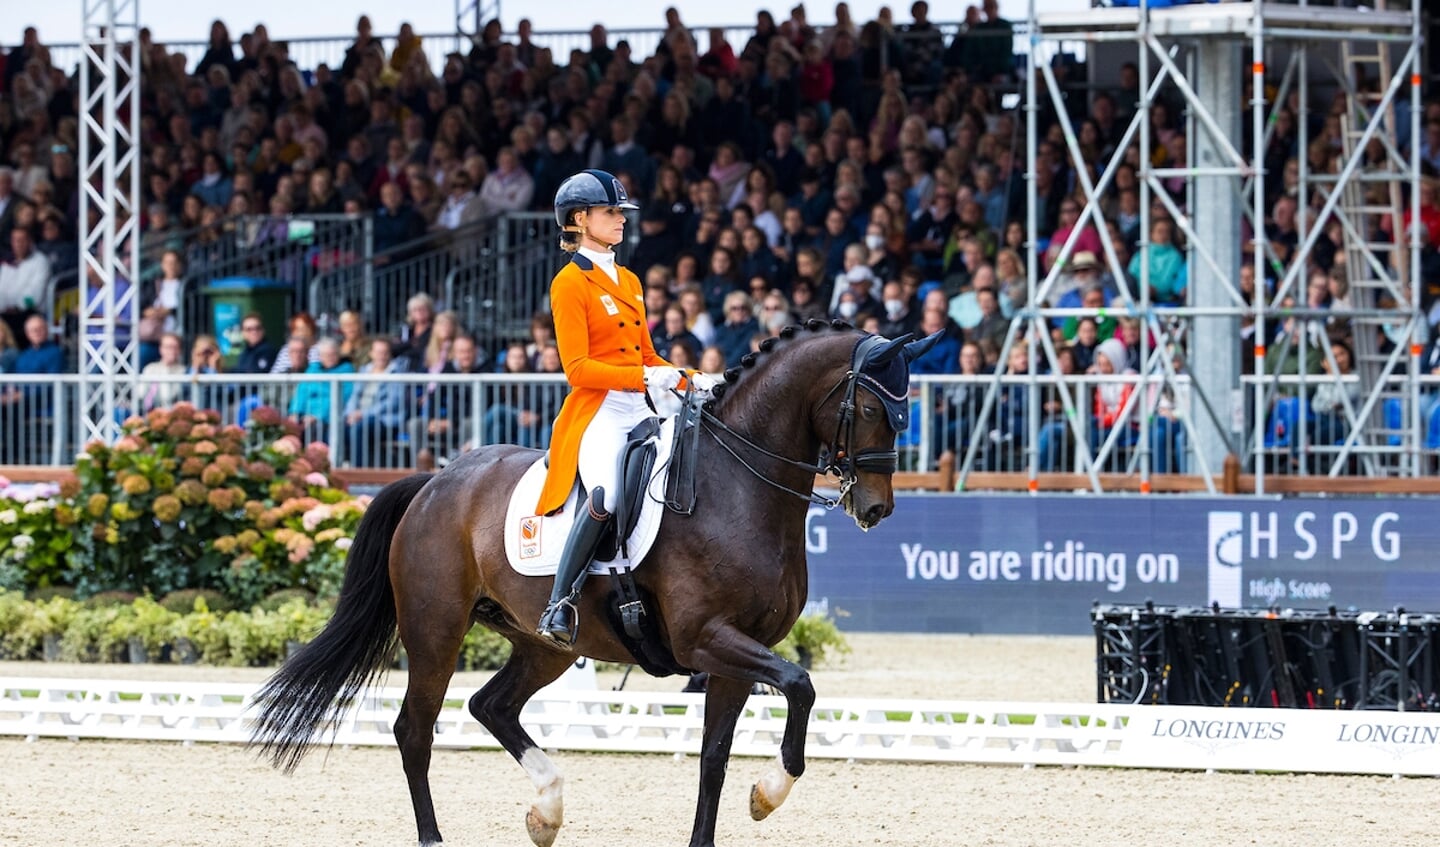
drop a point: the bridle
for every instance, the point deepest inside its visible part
(839, 458)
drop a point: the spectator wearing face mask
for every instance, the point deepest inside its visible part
(856, 301)
(899, 317)
(882, 263)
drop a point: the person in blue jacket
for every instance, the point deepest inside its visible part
(311, 407)
(25, 408)
(376, 411)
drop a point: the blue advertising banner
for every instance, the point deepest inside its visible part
(1023, 564)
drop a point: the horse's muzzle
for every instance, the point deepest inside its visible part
(876, 513)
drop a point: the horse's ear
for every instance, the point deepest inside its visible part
(889, 350)
(916, 349)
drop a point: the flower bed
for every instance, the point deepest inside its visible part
(181, 502)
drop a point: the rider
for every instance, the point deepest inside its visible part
(605, 347)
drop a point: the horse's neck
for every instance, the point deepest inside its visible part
(775, 416)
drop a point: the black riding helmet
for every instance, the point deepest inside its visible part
(589, 188)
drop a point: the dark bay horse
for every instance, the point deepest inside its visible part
(428, 560)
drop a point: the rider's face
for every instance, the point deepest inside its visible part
(604, 224)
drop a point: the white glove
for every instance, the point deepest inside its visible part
(704, 383)
(662, 377)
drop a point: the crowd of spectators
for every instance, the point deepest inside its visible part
(867, 171)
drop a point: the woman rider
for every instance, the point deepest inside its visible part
(609, 360)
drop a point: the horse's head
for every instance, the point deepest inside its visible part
(874, 409)
(849, 392)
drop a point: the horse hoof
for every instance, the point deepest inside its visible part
(541, 830)
(769, 792)
(760, 806)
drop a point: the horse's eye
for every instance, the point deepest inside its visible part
(869, 412)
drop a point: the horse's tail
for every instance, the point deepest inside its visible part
(352, 649)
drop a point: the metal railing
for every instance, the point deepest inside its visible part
(1054, 424)
(385, 420)
(495, 272)
(379, 289)
(368, 420)
(292, 249)
(497, 294)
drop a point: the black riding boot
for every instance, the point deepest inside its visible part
(557, 623)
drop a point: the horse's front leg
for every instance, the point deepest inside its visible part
(724, 701)
(732, 655)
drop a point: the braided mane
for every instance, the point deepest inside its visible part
(750, 361)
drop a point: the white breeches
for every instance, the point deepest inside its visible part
(604, 438)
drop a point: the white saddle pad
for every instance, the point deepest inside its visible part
(533, 543)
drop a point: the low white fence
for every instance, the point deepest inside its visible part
(1026, 734)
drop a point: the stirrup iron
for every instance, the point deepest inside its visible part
(560, 621)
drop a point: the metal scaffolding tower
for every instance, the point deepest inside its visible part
(470, 19)
(1199, 55)
(110, 193)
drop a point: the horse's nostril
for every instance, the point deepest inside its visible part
(875, 513)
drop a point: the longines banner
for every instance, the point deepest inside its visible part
(1021, 564)
(1283, 739)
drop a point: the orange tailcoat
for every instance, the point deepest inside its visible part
(604, 342)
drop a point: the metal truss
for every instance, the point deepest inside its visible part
(1197, 53)
(471, 17)
(110, 192)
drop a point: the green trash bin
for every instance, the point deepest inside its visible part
(232, 298)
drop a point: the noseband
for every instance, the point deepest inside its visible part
(838, 458)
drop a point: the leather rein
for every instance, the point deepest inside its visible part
(844, 463)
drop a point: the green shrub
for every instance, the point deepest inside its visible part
(184, 601)
(151, 623)
(811, 639)
(50, 591)
(14, 611)
(12, 575)
(276, 599)
(107, 599)
(207, 632)
(262, 636)
(483, 649)
(95, 634)
(52, 617)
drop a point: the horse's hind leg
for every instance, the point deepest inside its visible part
(497, 707)
(432, 649)
(724, 701)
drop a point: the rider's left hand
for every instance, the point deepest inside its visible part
(703, 383)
